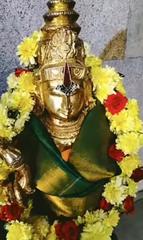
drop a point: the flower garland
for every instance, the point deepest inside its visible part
(16, 104)
(123, 115)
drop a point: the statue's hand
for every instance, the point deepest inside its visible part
(23, 179)
(20, 186)
(11, 155)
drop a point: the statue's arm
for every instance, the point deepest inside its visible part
(21, 185)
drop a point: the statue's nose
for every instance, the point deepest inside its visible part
(68, 104)
(67, 76)
(68, 87)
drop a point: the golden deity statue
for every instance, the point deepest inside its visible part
(63, 148)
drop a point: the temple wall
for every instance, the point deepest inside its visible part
(101, 21)
(114, 29)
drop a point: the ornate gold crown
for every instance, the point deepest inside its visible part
(61, 14)
(60, 35)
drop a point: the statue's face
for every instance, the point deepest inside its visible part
(62, 90)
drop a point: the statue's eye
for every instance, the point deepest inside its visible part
(54, 73)
(77, 73)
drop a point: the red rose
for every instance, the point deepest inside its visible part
(67, 231)
(10, 212)
(115, 103)
(59, 232)
(70, 231)
(105, 205)
(137, 174)
(19, 71)
(115, 154)
(129, 204)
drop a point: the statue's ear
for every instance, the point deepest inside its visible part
(88, 93)
(39, 105)
(38, 96)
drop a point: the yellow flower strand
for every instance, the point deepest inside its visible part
(17, 100)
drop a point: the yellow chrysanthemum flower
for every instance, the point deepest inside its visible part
(92, 61)
(132, 188)
(133, 107)
(134, 112)
(125, 121)
(6, 132)
(5, 123)
(26, 82)
(19, 124)
(129, 164)
(20, 102)
(3, 113)
(37, 36)
(92, 217)
(23, 102)
(121, 122)
(120, 88)
(52, 235)
(27, 50)
(105, 80)
(107, 75)
(19, 231)
(115, 191)
(12, 81)
(109, 115)
(130, 143)
(102, 92)
(112, 219)
(41, 226)
(96, 231)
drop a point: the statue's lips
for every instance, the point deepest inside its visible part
(67, 114)
(64, 113)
